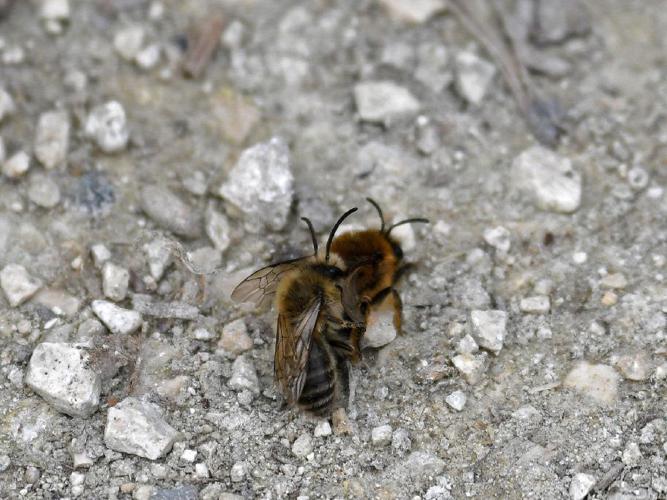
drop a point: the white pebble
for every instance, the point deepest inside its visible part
(100, 254)
(17, 284)
(636, 366)
(244, 376)
(137, 427)
(548, 179)
(128, 42)
(43, 191)
(148, 57)
(498, 237)
(472, 367)
(189, 456)
(631, 455)
(17, 165)
(467, 345)
(538, 304)
(380, 329)
(599, 382)
(120, 321)
(381, 436)
(414, 11)
(201, 471)
(303, 445)
(581, 485)
(614, 281)
(7, 106)
(456, 400)
(217, 229)
(62, 375)
(235, 338)
(107, 126)
(489, 329)
(238, 472)
(473, 76)
(579, 257)
(322, 429)
(52, 138)
(384, 101)
(158, 254)
(115, 281)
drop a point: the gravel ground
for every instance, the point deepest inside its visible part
(141, 181)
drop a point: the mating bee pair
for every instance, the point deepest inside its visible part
(323, 303)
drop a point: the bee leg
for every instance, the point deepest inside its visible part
(398, 311)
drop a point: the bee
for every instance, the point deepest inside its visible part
(374, 262)
(315, 334)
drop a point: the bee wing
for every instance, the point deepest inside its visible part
(261, 285)
(292, 349)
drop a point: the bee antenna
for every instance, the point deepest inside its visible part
(335, 228)
(312, 232)
(420, 220)
(377, 207)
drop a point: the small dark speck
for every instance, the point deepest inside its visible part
(548, 238)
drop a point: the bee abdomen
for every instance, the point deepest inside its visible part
(320, 388)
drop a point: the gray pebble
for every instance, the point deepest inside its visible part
(43, 191)
(473, 76)
(17, 165)
(115, 281)
(52, 138)
(170, 212)
(17, 284)
(244, 376)
(384, 101)
(107, 126)
(118, 320)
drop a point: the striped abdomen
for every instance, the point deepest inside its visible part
(322, 387)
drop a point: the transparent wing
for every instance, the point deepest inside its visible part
(261, 286)
(293, 343)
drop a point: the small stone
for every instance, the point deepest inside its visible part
(238, 472)
(322, 429)
(189, 456)
(548, 178)
(380, 329)
(557, 21)
(144, 304)
(631, 455)
(488, 328)
(148, 57)
(414, 11)
(303, 445)
(341, 422)
(614, 281)
(235, 338)
(579, 257)
(637, 178)
(244, 376)
(400, 440)
(467, 345)
(661, 372)
(5, 462)
(381, 436)
(609, 299)
(120, 321)
(499, 238)
(170, 212)
(128, 42)
(100, 254)
(203, 334)
(538, 304)
(43, 191)
(81, 460)
(107, 126)
(52, 138)
(17, 165)
(54, 10)
(137, 427)
(158, 254)
(421, 464)
(635, 366)
(217, 229)
(456, 400)
(261, 185)
(599, 382)
(384, 101)
(433, 66)
(32, 474)
(115, 281)
(205, 259)
(61, 374)
(7, 106)
(76, 478)
(581, 485)
(471, 367)
(17, 284)
(473, 76)
(58, 301)
(201, 471)
(234, 115)
(195, 183)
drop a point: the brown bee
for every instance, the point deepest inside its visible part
(374, 262)
(315, 333)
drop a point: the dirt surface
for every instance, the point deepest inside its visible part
(561, 396)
